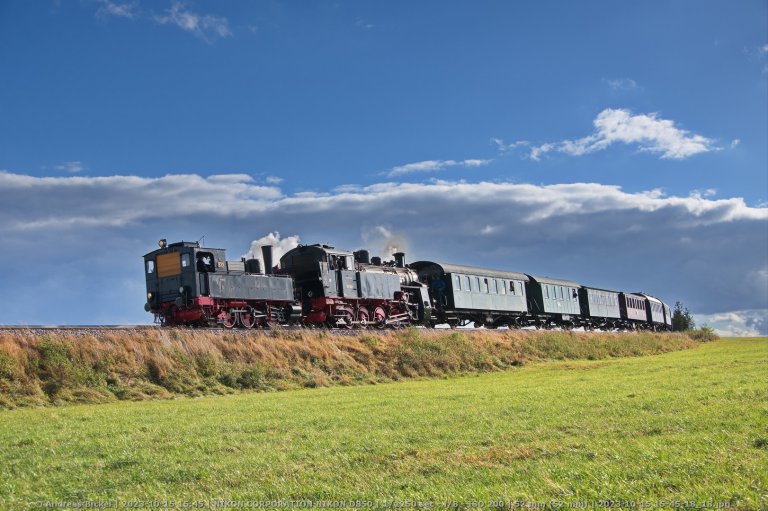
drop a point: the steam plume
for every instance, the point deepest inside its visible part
(386, 240)
(279, 246)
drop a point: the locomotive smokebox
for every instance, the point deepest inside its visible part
(362, 257)
(266, 252)
(399, 259)
(376, 261)
(253, 266)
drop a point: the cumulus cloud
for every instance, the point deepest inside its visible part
(74, 202)
(646, 131)
(433, 166)
(84, 235)
(746, 323)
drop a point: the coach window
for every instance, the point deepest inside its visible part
(185, 260)
(512, 287)
(150, 267)
(466, 284)
(485, 286)
(476, 286)
(502, 287)
(546, 291)
(457, 283)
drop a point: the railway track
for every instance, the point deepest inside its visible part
(78, 330)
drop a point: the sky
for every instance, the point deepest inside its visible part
(618, 144)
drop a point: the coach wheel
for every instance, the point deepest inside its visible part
(230, 320)
(363, 318)
(247, 318)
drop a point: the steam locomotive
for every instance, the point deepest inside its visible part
(322, 286)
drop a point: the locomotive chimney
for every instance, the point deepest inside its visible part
(362, 257)
(376, 261)
(399, 259)
(266, 251)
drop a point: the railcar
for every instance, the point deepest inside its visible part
(633, 310)
(464, 295)
(655, 314)
(554, 302)
(191, 285)
(667, 316)
(599, 308)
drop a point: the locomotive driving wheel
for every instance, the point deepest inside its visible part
(380, 317)
(230, 320)
(346, 320)
(247, 318)
(363, 319)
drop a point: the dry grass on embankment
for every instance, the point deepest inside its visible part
(148, 364)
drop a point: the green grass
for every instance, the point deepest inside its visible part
(688, 425)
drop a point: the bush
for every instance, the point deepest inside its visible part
(703, 334)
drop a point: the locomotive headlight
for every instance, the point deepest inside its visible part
(149, 295)
(181, 290)
(162, 243)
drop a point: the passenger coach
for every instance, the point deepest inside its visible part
(465, 294)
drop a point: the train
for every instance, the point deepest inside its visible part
(322, 286)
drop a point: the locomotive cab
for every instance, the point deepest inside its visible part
(175, 273)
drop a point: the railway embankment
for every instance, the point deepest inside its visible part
(59, 367)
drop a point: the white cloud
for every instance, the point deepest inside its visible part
(708, 192)
(433, 166)
(71, 166)
(647, 131)
(744, 323)
(735, 142)
(504, 147)
(622, 84)
(708, 253)
(108, 8)
(204, 26)
(273, 180)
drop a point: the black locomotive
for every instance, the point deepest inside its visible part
(319, 285)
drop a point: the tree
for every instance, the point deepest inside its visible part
(682, 319)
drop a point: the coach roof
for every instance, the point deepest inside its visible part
(470, 270)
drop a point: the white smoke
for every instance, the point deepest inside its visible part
(279, 247)
(386, 240)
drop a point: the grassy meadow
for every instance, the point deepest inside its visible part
(683, 426)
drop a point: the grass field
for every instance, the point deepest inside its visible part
(682, 426)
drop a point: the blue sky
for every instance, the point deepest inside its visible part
(566, 138)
